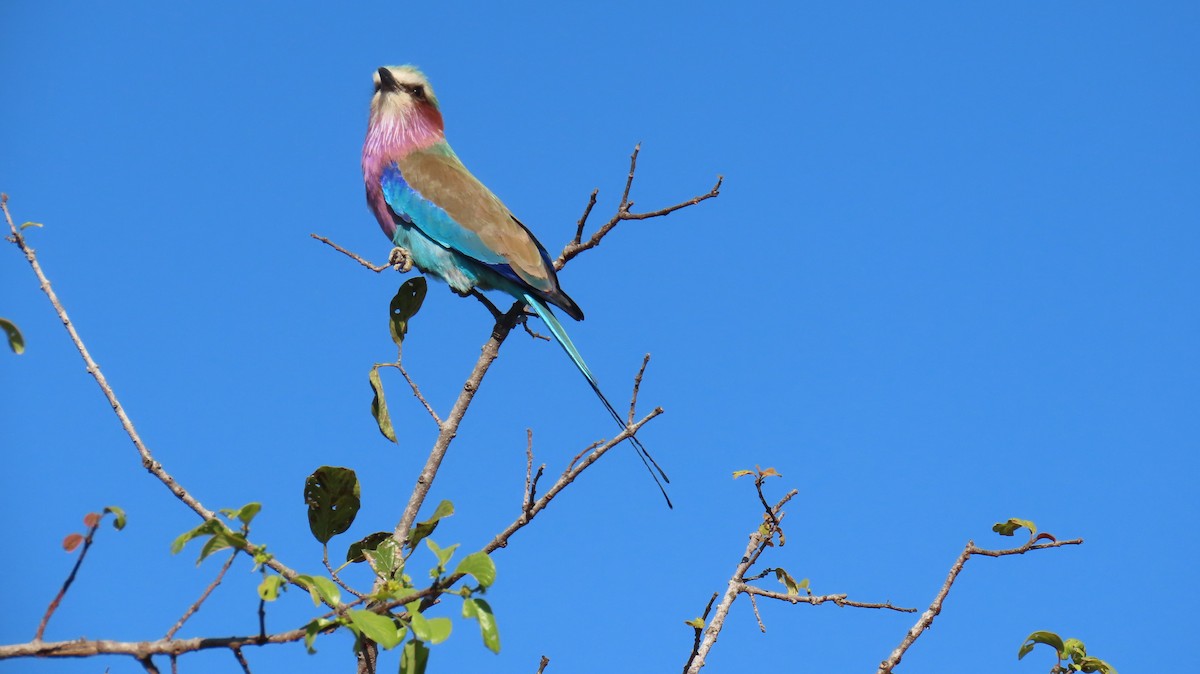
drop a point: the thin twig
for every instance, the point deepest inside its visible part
(148, 664)
(542, 665)
(373, 267)
(700, 631)
(754, 605)
(637, 386)
(526, 497)
(62, 592)
(926, 619)
(816, 600)
(203, 596)
(576, 246)
(417, 392)
(587, 210)
(334, 574)
(237, 653)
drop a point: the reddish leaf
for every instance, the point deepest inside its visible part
(1045, 537)
(91, 519)
(72, 541)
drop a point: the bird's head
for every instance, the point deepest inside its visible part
(403, 94)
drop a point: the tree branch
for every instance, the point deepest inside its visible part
(926, 619)
(203, 596)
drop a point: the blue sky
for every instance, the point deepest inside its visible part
(951, 279)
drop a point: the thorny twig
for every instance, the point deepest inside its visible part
(926, 619)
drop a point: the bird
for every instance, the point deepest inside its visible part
(450, 225)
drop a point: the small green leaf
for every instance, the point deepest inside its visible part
(206, 528)
(443, 556)
(221, 541)
(248, 511)
(16, 341)
(698, 623)
(312, 629)
(321, 589)
(379, 408)
(480, 610)
(368, 542)
(420, 624)
(378, 628)
(268, 589)
(479, 565)
(439, 629)
(385, 559)
(25, 225)
(423, 529)
(742, 473)
(332, 494)
(405, 305)
(1049, 638)
(1090, 664)
(1012, 525)
(793, 588)
(1074, 650)
(118, 516)
(414, 658)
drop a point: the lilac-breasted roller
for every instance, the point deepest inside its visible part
(451, 225)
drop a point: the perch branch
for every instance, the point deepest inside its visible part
(926, 619)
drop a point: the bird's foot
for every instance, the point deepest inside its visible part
(401, 260)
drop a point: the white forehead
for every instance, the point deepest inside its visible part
(406, 75)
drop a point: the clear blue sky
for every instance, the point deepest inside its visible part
(952, 278)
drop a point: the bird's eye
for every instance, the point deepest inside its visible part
(418, 92)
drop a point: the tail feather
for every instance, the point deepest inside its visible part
(560, 335)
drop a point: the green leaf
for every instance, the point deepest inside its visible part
(206, 528)
(25, 225)
(379, 408)
(268, 589)
(420, 624)
(423, 529)
(221, 541)
(312, 629)
(414, 658)
(742, 473)
(793, 588)
(479, 565)
(16, 341)
(439, 629)
(321, 589)
(378, 628)
(443, 556)
(332, 494)
(405, 305)
(1074, 650)
(1090, 664)
(248, 511)
(698, 623)
(385, 559)
(480, 610)
(368, 542)
(1012, 525)
(1049, 638)
(118, 516)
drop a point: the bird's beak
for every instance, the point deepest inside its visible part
(386, 81)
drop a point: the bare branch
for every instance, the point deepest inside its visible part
(637, 386)
(815, 600)
(373, 267)
(237, 653)
(577, 246)
(542, 666)
(203, 596)
(334, 574)
(417, 392)
(754, 605)
(926, 619)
